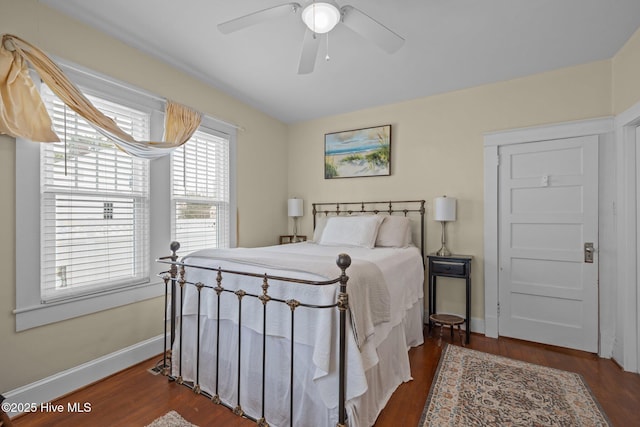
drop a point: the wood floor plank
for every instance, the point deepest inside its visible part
(135, 397)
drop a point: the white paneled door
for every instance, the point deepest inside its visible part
(548, 240)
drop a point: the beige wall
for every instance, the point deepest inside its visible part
(626, 75)
(437, 148)
(34, 354)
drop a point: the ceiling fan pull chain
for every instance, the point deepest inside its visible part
(327, 58)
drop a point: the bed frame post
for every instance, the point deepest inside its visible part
(422, 242)
(343, 262)
(315, 211)
(171, 277)
(174, 276)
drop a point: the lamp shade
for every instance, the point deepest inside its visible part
(321, 16)
(295, 207)
(444, 209)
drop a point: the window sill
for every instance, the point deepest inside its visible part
(42, 314)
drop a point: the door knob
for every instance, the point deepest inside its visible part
(588, 252)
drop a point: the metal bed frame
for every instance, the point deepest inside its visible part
(176, 276)
(175, 281)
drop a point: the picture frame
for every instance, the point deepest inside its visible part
(358, 153)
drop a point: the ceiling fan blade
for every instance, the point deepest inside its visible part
(258, 17)
(309, 52)
(371, 29)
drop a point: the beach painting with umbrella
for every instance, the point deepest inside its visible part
(358, 153)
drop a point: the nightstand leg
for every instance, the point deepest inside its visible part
(432, 300)
(462, 338)
(440, 338)
(468, 311)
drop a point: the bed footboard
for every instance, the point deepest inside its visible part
(176, 283)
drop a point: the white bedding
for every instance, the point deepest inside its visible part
(369, 302)
(398, 270)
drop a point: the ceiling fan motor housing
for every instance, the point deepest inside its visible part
(321, 17)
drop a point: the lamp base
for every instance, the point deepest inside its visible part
(294, 239)
(443, 251)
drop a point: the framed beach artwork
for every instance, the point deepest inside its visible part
(358, 153)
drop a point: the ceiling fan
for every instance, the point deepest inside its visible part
(320, 17)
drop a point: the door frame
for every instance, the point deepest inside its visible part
(492, 143)
(627, 347)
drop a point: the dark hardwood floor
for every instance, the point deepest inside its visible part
(135, 397)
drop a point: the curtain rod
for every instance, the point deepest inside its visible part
(94, 74)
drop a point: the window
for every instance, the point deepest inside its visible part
(94, 204)
(105, 219)
(200, 192)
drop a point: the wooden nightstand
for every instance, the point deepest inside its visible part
(288, 238)
(456, 266)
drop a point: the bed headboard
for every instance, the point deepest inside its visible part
(395, 207)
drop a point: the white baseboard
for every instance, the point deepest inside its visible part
(477, 325)
(50, 388)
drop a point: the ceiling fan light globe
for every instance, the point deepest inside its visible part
(321, 17)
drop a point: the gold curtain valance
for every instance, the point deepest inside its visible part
(23, 114)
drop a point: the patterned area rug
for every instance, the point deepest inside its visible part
(472, 388)
(171, 419)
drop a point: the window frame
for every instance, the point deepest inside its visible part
(30, 312)
(80, 185)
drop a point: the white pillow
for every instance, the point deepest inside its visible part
(321, 222)
(351, 231)
(394, 232)
(408, 238)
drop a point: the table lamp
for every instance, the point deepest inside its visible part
(444, 210)
(295, 210)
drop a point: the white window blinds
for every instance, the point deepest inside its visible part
(94, 204)
(200, 192)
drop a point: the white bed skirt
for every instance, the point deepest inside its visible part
(382, 379)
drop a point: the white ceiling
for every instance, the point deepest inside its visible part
(450, 44)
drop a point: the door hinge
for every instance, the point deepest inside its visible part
(498, 309)
(498, 160)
